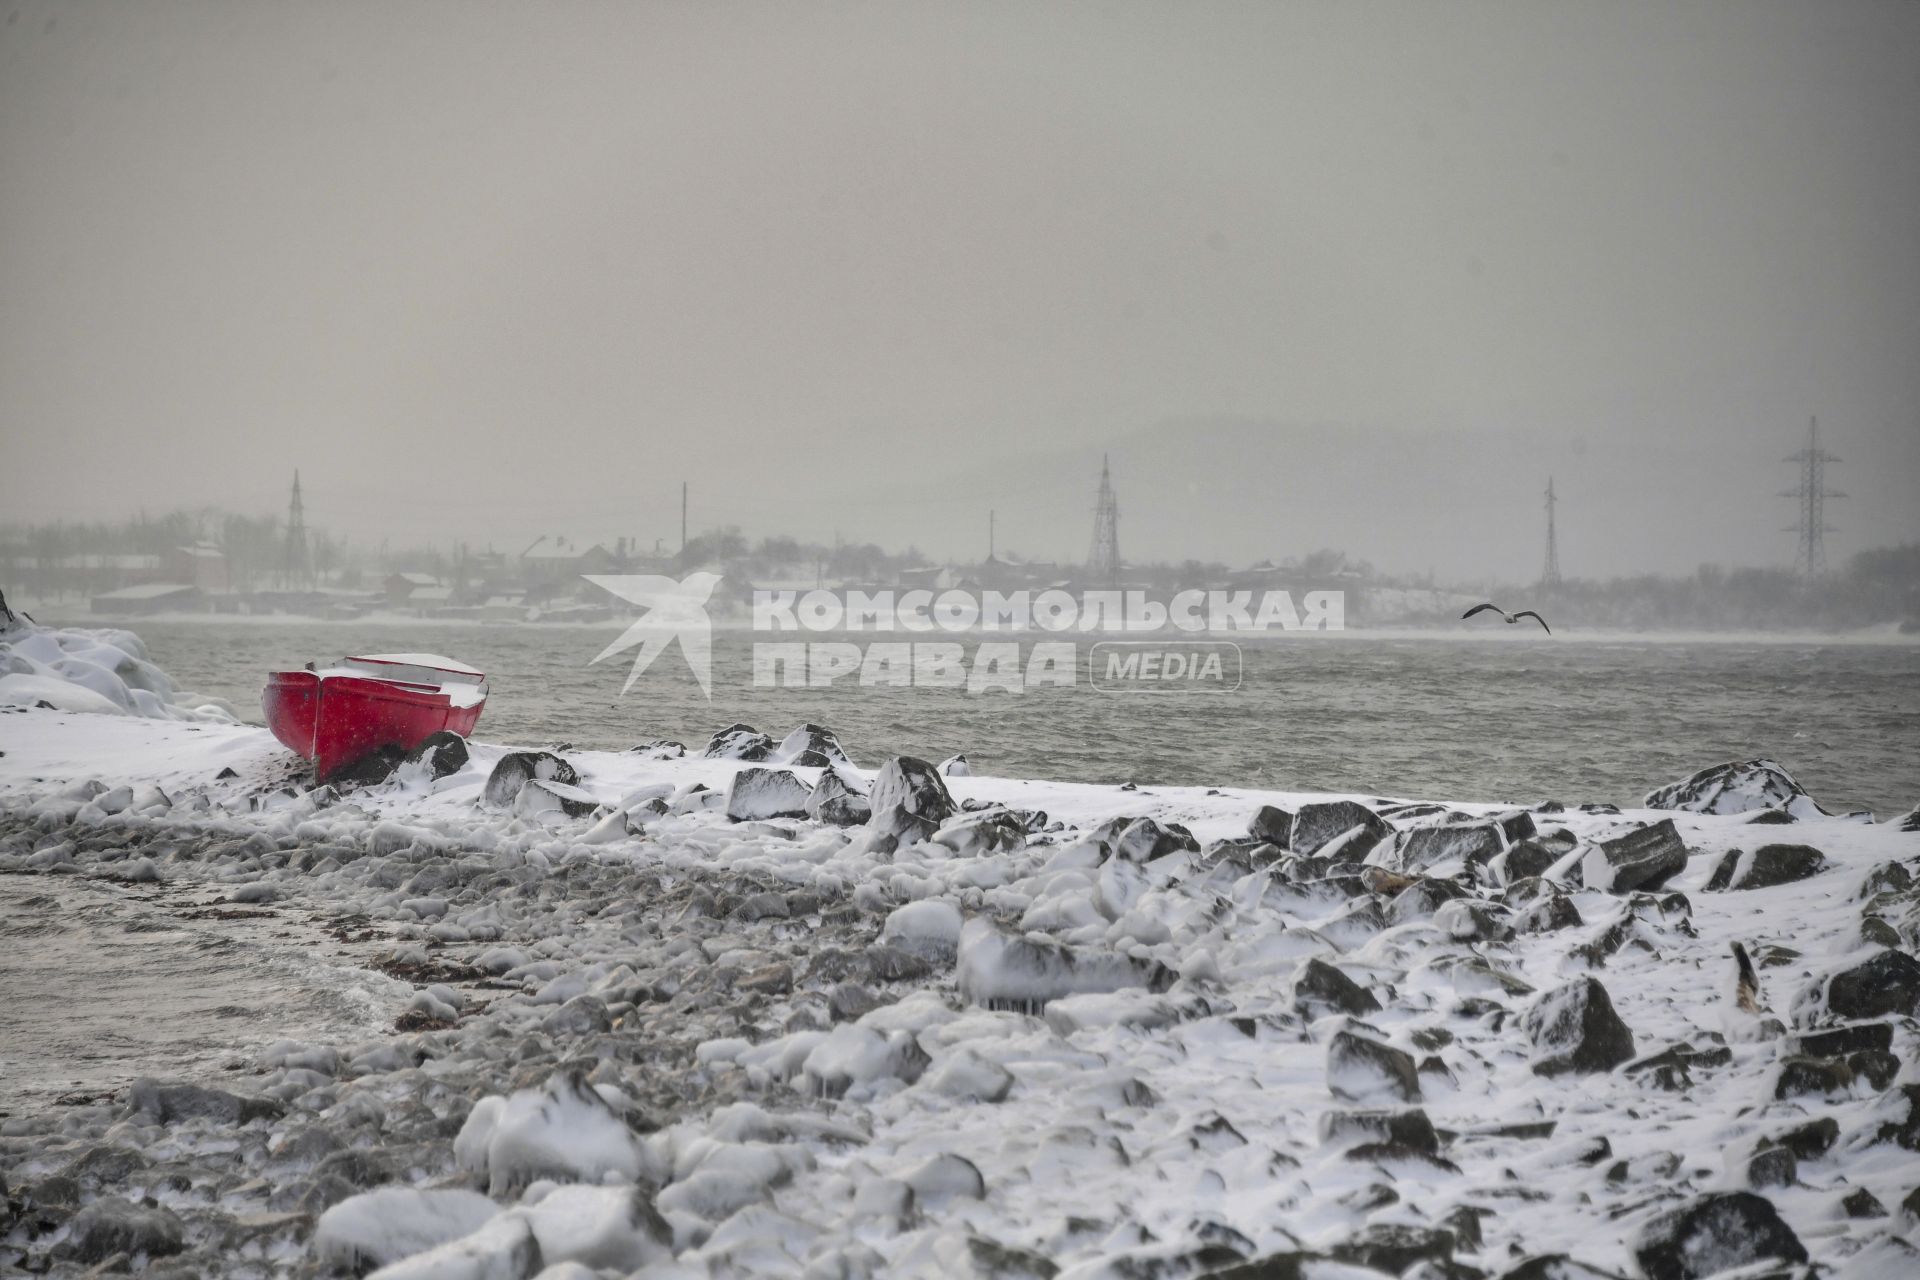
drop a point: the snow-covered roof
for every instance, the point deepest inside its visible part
(418, 579)
(146, 591)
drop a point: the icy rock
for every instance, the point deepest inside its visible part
(914, 787)
(1644, 859)
(852, 1055)
(1887, 983)
(606, 1228)
(811, 746)
(1394, 1249)
(112, 1225)
(659, 749)
(1769, 865)
(1143, 839)
(903, 829)
(1574, 1028)
(377, 1227)
(1271, 825)
(947, 1176)
(1904, 1131)
(1360, 1069)
(517, 768)
(956, 767)
(369, 770)
(1407, 1130)
(562, 1130)
(171, 1103)
(1524, 861)
(1319, 989)
(1423, 847)
(1737, 788)
(976, 835)
(541, 796)
(1316, 825)
(965, 1075)
(1715, 1233)
(739, 742)
(839, 798)
(1006, 972)
(440, 754)
(758, 794)
(892, 964)
(503, 1248)
(930, 927)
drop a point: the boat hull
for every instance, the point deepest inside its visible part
(335, 720)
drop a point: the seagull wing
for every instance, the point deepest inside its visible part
(1481, 608)
(1528, 613)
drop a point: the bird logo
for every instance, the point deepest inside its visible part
(675, 610)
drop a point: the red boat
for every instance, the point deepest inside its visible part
(335, 715)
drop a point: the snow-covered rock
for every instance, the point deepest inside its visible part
(387, 1224)
(755, 795)
(1737, 787)
(914, 787)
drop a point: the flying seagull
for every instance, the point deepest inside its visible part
(1510, 617)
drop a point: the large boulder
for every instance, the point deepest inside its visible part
(1643, 859)
(1887, 983)
(839, 798)
(1361, 1069)
(811, 746)
(1271, 825)
(1143, 839)
(914, 787)
(1715, 1233)
(439, 754)
(739, 742)
(1769, 865)
(517, 768)
(1316, 825)
(758, 794)
(1574, 1029)
(1319, 988)
(1422, 847)
(1737, 787)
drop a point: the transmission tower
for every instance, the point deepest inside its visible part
(295, 570)
(1103, 561)
(1812, 494)
(1550, 576)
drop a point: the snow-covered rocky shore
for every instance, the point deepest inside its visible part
(756, 1009)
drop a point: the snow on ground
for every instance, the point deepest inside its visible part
(1005, 1027)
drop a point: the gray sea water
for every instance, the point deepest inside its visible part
(1494, 717)
(106, 982)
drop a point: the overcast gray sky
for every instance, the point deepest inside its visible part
(488, 270)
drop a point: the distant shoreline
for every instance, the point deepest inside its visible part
(1884, 634)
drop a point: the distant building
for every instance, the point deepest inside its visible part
(148, 597)
(202, 564)
(402, 586)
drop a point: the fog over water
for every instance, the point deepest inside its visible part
(1353, 275)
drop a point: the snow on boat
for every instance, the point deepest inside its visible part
(335, 715)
